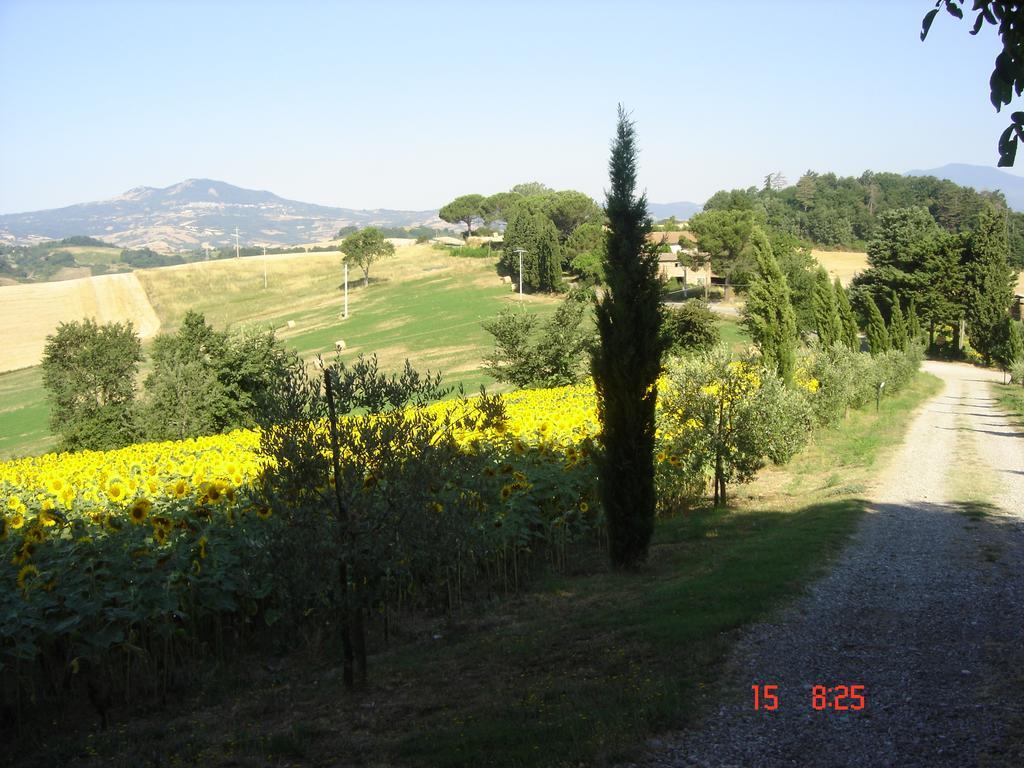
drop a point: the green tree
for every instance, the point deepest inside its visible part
(627, 362)
(464, 210)
(801, 271)
(826, 313)
(89, 375)
(549, 354)
(726, 236)
(531, 189)
(1008, 345)
(521, 234)
(768, 314)
(897, 325)
(913, 324)
(205, 381)
(727, 420)
(878, 336)
(588, 237)
(549, 256)
(988, 281)
(499, 206)
(691, 328)
(570, 209)
(850, 335)
(365, 248)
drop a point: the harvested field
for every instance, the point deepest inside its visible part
(842, 264)
(29, 312)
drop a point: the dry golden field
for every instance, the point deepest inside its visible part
(842, 264)
(29, 312)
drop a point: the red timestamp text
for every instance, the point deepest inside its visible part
(824, 698)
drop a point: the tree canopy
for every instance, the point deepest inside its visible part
(89, 374)
(366, 247)
(464, 210)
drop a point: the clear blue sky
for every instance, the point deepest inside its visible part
(408, 104)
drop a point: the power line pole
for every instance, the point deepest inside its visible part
(236, 242)
(264, 267)
(520, 251)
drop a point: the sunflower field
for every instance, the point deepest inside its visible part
(119, 570)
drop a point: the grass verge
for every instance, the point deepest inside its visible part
(577, 671)
(1011, 399)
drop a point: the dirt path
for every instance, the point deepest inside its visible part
(924, 608)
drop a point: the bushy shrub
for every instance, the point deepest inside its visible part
(723, 419)
(692, 328)
(843, 379)
(1017, 372)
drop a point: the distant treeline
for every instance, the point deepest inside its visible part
(842, 211)
(410, 232)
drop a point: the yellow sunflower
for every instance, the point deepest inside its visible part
(140, 509)
(116, 490)
(27, 572)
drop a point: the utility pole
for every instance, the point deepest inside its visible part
(236, 242)
(344, 315)
(264, 267)
(520, 251)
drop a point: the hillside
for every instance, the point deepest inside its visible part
(425, 304)
(199, 213)
(981, 177)
(29, 312)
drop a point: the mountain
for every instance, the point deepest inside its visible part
(681, 211)
(981, 177)
(198, 213)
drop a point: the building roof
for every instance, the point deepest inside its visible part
(681, 237)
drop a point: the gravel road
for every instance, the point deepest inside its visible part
(924, 608)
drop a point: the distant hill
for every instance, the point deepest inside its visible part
(681, 210)
(200, 213)
(981, 177)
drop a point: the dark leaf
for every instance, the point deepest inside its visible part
(1007, 147)
(927, 23)
(954, 10)
(977, 24)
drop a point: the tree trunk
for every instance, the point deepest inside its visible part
(366, 277)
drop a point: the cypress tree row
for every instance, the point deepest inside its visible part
(627, 362)
(878, 336)
(850, 335)
(768, 313)
(826, 314)
(549, 254)
(914, 331)
(988, 280)
(897, 325)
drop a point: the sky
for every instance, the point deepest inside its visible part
(409, 104)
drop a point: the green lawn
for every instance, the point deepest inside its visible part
(24, 414)
(578, 671)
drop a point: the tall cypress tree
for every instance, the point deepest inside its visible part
(826, 314)
(914, 331)
(897, 325)
(850, 335)
(988, 280)
(878, 336)
(549, 254)
(768, 313)
(627, 362)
